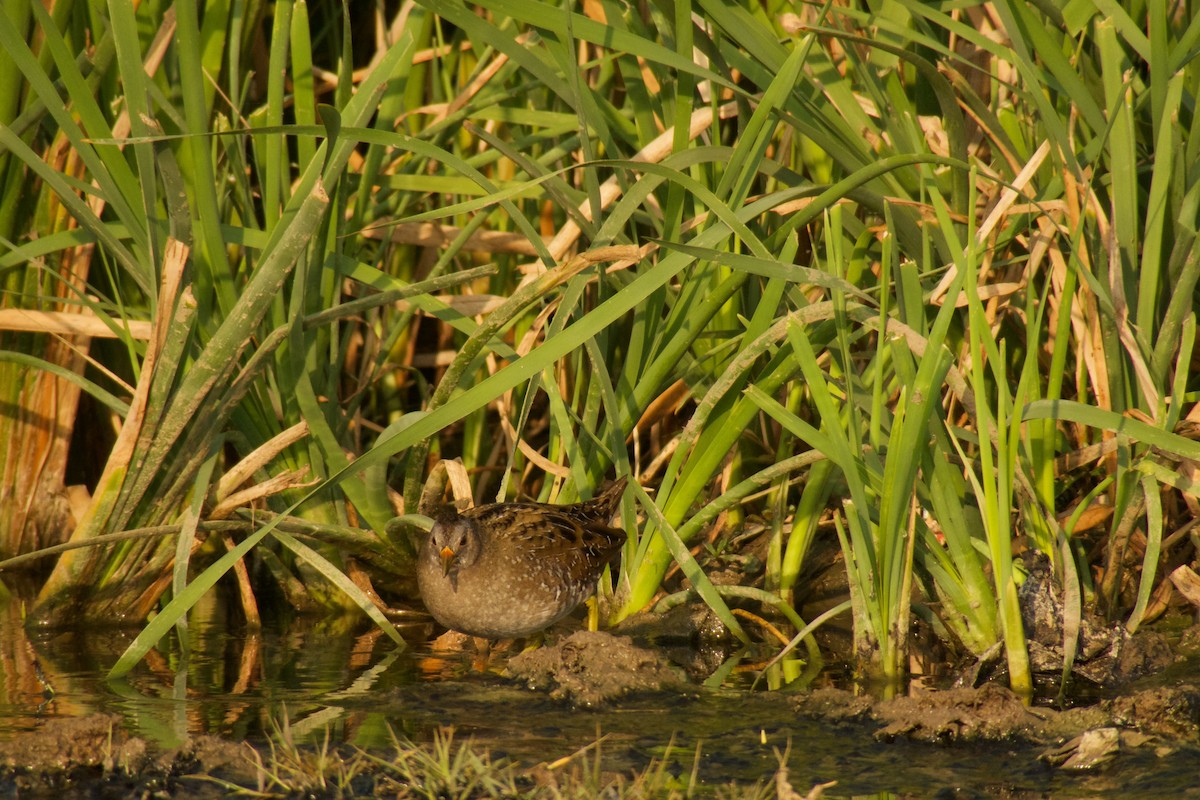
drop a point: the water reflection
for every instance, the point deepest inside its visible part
(308, 678)
(233, 682)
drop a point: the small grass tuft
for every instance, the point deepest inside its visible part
(448, 768)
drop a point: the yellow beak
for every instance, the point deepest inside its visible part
(447, 555)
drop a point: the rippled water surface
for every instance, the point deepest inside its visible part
(346, 680)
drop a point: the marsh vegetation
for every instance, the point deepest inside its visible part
(900, 290)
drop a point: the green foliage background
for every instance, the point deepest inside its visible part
(915, 276)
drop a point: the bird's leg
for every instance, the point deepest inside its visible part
(483, 649)
(593, 617)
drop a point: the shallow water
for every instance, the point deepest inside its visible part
(347, 681)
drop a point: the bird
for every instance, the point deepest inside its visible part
(510, 570)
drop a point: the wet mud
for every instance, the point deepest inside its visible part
(1141, 724)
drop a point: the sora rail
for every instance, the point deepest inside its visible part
(508, 570)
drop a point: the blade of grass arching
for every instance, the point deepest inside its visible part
(339, 579)
(559, 190)
(804, 634)
(512, 375)
(470, 351)
(775, 268)
(1123, 426)
(851, 185)
(97, 392)
(487, 195)
(182, 602)
(419, 295)
(16, 255)
(690, 568)
(755, 483)
(1154, 529)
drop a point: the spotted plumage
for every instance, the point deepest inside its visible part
(507, 570)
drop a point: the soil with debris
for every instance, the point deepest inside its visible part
(591, 669)
(95, 757)
(995, 713)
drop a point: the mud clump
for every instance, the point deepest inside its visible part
(591, 669)
(1172, 712)
(93, 751)
(1163, 717)
(992, 712)
(95, 756)
(64, 744)
(837, 706)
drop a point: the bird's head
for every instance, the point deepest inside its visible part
(454, 543)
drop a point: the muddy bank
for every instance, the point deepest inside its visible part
(592, 669)
(95, 757)
(1165, 716)
(553, 704)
